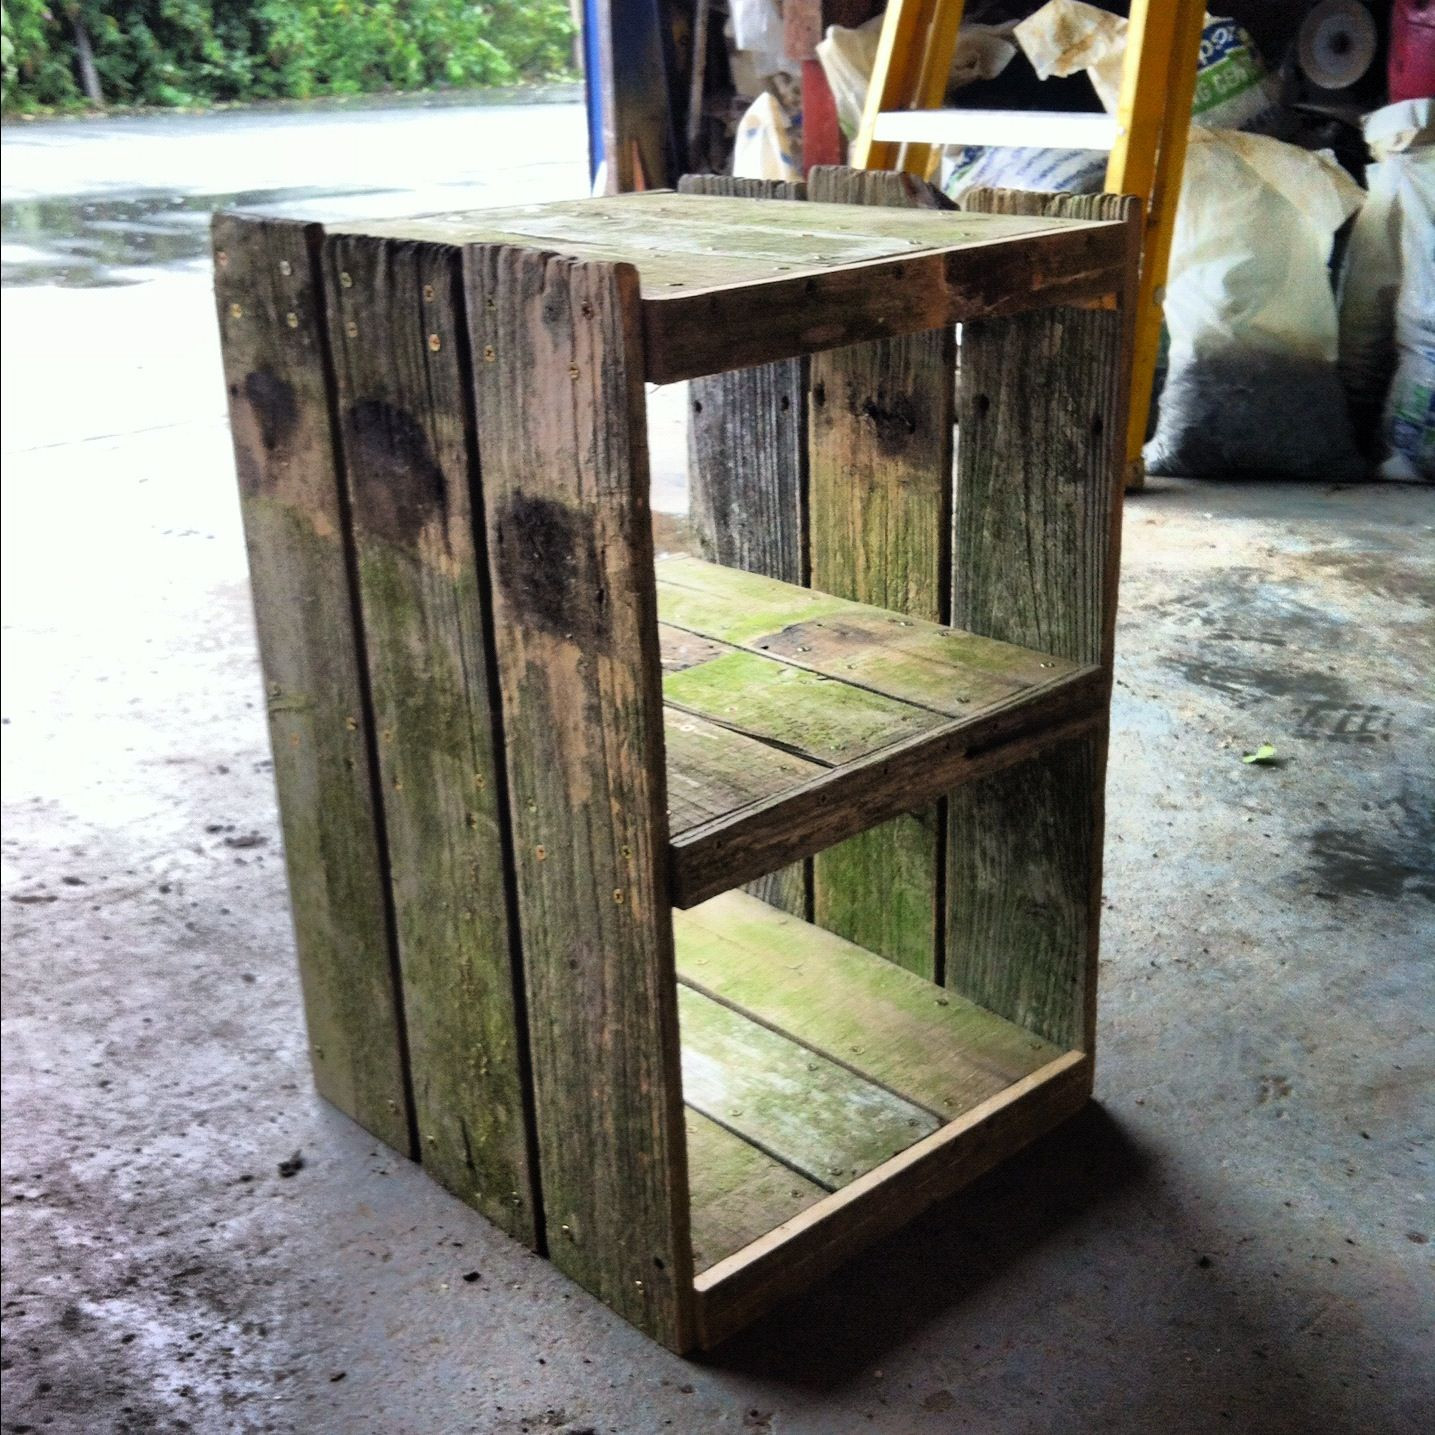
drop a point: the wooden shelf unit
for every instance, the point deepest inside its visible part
(523, 769)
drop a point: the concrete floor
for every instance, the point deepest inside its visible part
(1235, 1236)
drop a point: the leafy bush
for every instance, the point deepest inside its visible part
(192, 52)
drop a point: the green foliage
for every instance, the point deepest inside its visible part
(195, 52)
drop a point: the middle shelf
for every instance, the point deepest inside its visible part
(795, 719)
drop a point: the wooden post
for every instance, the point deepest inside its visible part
(880, 430)
(398, 332)
(558, 369)
(747, 477)
(1040, 454)
(275, 364)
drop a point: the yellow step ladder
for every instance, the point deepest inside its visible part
(903, 128)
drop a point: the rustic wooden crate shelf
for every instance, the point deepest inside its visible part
(796, 719)
(523, 769)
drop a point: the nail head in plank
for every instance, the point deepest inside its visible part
(319, 723)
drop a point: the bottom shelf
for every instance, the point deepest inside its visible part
(832, 1095)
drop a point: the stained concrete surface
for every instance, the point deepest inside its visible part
(1234, 1236)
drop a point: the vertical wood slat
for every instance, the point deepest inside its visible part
(880, 426)
(747, 477)
(397, 330)
(272, 333)
(558, 371)
(1041, 426)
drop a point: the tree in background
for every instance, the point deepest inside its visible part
(194, 52)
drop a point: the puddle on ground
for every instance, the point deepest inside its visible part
(92, 242)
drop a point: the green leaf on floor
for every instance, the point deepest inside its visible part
(1265, 753)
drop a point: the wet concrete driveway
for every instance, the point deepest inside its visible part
(1235, 1237)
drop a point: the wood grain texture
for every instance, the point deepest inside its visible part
(917, 1040)
(821, 1118)
(713, 770)
(558, 372)
(883, 702)
(727, 284)
(763, 835)
(735, 1291)
(739, 1193)
(1042, 417)
(747, 475)
(272, 329)
(880, 424)
(398, 333)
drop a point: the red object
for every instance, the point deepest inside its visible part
(1412, 50)
(822, 141)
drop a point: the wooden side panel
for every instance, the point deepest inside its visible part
(272, 327)
(558, 369)
(398, 334)
(1042, 416)
(880, 423)
(747, 476)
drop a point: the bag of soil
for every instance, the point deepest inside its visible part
(1252, 386)
(1387, 295)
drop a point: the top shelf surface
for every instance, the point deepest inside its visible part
(728, 282)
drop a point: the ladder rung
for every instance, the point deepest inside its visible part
(1039, 129)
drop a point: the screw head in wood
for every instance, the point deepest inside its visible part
(435, 343)
(428, 293)
(346, 280)
(285, 268)
(488, 355)
(221, 258)
(292, 319)
(236, 311)
(618, 895)
(351, 329)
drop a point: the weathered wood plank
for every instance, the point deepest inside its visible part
(925, 1044)
(559, 374)
(713, 771)
(704, 606)
(1042, 417)
(801, 711)
(399, 337)
(729, 850)
(739, 1193)
(818, 1117)
(747, 474)
(272, 329)
(880, 422)
(728, 284)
